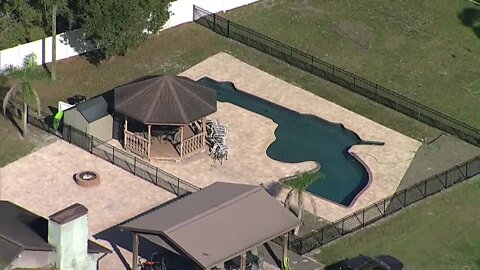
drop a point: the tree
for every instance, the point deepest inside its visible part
(20, 22)
(28, 95)
(298, 186)
(52, 8)
(114, 26)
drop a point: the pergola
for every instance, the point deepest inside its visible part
(165, 105)
(214, 225)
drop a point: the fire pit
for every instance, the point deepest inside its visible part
(87, 179)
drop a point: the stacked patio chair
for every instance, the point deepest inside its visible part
(217, 136)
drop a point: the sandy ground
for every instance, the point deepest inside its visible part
(42, 182)
(248, 162)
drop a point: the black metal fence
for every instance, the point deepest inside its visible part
(116, 156)
(385, 207)
(336, 75)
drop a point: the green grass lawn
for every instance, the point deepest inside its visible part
(12, 146)
(177, 49)
(442, 232)
(420, 49)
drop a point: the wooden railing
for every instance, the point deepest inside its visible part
(136, 144)
(192, 145)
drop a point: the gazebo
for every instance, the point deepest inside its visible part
(165, 116)
(215, 225)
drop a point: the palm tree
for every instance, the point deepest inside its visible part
(28, 96)
(298, 186)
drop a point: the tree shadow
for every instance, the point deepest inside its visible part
(14, 121)
(470, 17)
(83, 46)
(44, 62)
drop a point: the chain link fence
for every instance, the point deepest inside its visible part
(336, 75)
(129, 162)
(385, 207)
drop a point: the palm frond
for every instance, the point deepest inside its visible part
(10, 94)
(288, 199)
(37, 102)
(304, 181)
(30, 95)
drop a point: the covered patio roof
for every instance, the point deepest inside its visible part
(218, 223)
(165, 100)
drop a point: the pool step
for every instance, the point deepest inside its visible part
(372, 142)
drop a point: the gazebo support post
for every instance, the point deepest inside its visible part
(284, 251)
(135, 252)
(181, 141)
(204, 131)
(125, 129)
(243, 261)
(149, 140)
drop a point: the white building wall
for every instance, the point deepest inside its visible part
(73, 43)
(31, 259)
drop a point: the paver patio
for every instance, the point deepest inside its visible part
(250, 135)
(42, 182)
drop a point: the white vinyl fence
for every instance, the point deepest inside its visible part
(73, 43)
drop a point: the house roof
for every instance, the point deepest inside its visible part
(27, 230)
(93, 109)
(167, 100)
(8, 252)
(23, 227)
(218, 222)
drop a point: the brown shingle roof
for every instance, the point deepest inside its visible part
(173, 100)
(218, 222)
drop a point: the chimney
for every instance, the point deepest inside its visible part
(68, 234)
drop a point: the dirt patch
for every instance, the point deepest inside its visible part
(39, 138)
(357, 33)
(438, 155)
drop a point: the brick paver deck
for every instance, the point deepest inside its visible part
(250, 135)
(42, 182)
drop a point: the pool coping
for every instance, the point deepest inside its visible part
(317, 165)
(386, 165)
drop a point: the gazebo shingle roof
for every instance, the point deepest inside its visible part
(172, 100)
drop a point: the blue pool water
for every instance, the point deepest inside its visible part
(301, 137)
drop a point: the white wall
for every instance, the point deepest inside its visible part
(32, 259)
(73, 43)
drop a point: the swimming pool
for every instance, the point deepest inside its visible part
(303, 137)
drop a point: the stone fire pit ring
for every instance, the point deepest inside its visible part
(87, 178)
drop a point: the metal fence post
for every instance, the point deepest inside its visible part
(228, 28)
(91, 144)
(113, 154)
(214, 21)
(135, 166)
(405, 198)
(70, 134)
(343, 221)
(363, 217)
(384, 207)
(178, 186)
(323, 240)
(156, 175)
(354, 83)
